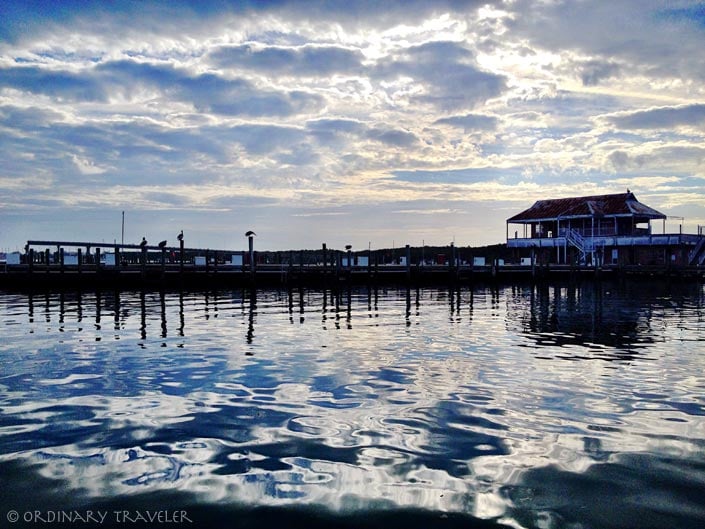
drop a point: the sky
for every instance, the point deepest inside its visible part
(342, 122)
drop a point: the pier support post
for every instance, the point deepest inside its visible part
(408, 262)
(80, 260)
(97, 258)
(208, 261)
(369, 263)
(143, 259)
(301, 261)
(181, 256)
(251, 249)
(61, 260)
(325, 259)
(118, 259)
(31, 260)
(46, 259)
(163, 256)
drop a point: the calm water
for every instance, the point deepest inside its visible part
(547, 407)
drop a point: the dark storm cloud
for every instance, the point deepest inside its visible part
(300, 61)
(662, 118)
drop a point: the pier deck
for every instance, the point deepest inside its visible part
(92, 264)
(24, 276)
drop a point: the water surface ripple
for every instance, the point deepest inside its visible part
(549, 406)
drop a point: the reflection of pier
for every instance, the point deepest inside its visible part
(612, 314)
(595, 314)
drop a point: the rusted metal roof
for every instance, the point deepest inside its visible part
(617, 205)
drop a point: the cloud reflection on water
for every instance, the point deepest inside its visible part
(449, 401)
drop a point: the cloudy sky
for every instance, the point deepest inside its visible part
(340, 121)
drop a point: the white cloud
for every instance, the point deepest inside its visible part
(344, 103)
(86, 166)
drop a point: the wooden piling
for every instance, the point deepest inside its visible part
(61, 260)
(369, 264)
(408, 262)
(31, 260)
(181, 256)
(80, 259)
(325, 259)
(97, 258)
(251, 248)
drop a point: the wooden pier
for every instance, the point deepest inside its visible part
(58, 264)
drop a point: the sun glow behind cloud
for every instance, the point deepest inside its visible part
(428, 118)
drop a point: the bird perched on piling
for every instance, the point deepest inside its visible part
(162, 244)
(180, 236)
(144, 242)
(250, 233)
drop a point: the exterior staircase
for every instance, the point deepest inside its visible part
(697, 255)
(578, 241)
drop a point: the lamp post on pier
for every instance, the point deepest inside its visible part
(251, 246)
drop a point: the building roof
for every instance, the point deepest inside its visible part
(617, 205)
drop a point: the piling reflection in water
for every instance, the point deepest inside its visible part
(445, 401)
(592, 315)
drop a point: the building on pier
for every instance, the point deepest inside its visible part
(601, 230)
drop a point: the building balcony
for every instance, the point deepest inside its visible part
(668, 239)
